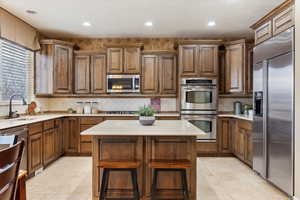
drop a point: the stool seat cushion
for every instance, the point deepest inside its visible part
(119, 164)
(170, 164)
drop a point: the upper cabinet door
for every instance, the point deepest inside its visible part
(82, 74)
(150, 74)
(208, 60)
(98, 74)
(235, 62)
(167, 72)
(63, 69)
(188, 60)
(115, 61)
(132, 64)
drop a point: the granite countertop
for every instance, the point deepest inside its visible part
(25, 120)
(134, 128)
(244, 117)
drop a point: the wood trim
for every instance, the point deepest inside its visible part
(272, 13)
(59, 42)
(140, 45)
(107, 96)
(229, 43)
(197, 42)
(89, 52)
(158, 52)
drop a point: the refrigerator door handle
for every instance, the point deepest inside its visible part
(265, 116)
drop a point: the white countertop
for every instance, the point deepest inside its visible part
(134, 128)
(10, 123)
(244, 117)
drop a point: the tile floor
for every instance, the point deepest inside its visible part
(69, 178)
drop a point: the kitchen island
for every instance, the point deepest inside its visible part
(168, 140)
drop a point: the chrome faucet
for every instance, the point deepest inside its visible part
(11, 113)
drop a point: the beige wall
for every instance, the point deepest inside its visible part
(297, 103)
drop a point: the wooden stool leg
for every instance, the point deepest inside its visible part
(135, 184)
(154, 184)
(184, 184)
(103, 184)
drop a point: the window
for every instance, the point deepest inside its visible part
(15, 67)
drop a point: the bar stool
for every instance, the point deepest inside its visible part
(109, 166)
(170, 165)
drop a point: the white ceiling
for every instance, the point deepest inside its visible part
(126, 18)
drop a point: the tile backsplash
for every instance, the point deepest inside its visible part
(226, 104)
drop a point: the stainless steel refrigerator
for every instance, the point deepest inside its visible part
(273, 125)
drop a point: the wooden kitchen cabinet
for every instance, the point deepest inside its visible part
(71, 135)
(48, 146)
(82, 74)
(276, 21)
(198, 60)
(150, 74)
(225, 129)
(124, 59)
(54, 68)
(238, 68)
(59, 148)
(159, 72)
(90, 72)
(35, 152)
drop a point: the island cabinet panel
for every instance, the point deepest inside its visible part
(167, 74)
(82, 74)
(132, 62)
(170, 148)
(115, 60)
(35, 152)
(144, 149)
(98, 74)
(63, 69)
(71, 135)
(150, 74)
(208, 60)
(188, 55)
(117, 149)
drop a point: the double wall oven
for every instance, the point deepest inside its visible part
(199, 105)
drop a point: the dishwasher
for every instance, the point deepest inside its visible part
(21, 133)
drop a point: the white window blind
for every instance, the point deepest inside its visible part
(15, 68)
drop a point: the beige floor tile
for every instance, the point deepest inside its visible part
(69, 178)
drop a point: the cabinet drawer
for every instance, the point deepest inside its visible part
(49, 124)
(85, 147)
(35, 128)
(168, 118)
(207, 147)
(284, 20)
(91, 120)
(263, 33)
(86, 138)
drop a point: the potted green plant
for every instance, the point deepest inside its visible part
(146, 115)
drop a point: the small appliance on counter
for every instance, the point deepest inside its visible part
(94, 107)
(79, 108)
(238, 108)
(87, 108)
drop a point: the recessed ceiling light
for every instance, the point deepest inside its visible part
(33, 12)
(149, 23)
(211, 23)
(87, 24)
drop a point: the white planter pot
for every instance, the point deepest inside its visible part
(147, 121)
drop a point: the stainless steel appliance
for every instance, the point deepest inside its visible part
(198, 94)
(21, 133)
(123, 83)
(273, 125)
(206, 121)
(238, 108)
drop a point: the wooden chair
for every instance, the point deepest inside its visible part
(170, 165)
(10, 159)
(109, 166)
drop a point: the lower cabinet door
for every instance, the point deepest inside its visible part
(49, 146)
(248, 148)
(224, 135)
(35, 152)
(71, 135)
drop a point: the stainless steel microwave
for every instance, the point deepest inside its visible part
(123, 83)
